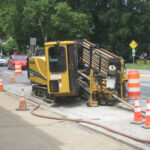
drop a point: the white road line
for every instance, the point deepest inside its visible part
(6, 72)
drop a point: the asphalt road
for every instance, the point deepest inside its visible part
(145, 82)
(145, 88)
(6, 74)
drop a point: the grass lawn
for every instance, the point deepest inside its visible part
(138, 66)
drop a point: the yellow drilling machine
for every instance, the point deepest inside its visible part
(71, 68)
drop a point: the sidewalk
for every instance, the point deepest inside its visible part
(20, 130)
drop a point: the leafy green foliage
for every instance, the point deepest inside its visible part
(39, 14)
(112, 23)
(10, 45)
(118, 23)
(138, 66)
(11, 20)
(67, 23)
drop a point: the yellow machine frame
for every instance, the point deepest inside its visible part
(95, 89)
(62, 77)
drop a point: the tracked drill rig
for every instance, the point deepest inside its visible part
(101, 73)
(72, 68)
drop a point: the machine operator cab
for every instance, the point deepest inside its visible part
(62, 65)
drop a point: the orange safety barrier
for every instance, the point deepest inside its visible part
(12, 77)
(147, 115)
(22, 103)
(138, 118)
(133, 84)
(18, 69)
(1, 83)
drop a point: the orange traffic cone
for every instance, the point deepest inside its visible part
(12, 77)
(1, 84)
(138, 118)
(22, 103)
(147, 116)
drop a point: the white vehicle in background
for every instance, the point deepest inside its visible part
(3, 61)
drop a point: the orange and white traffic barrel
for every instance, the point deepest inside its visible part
(133, 84)
(18, 69)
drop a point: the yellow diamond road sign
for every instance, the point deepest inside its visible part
(133, 44)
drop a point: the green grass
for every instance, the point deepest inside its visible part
(138, 66)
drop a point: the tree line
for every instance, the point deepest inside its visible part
(110, 23)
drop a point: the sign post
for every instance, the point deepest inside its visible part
(133, 45)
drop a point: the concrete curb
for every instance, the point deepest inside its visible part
(145, 76)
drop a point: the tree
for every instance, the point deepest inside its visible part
(68, 24)
(117, 22)
(57, 21)
(11, 14)
(38, 13)
(113, 23)
(10, 45)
